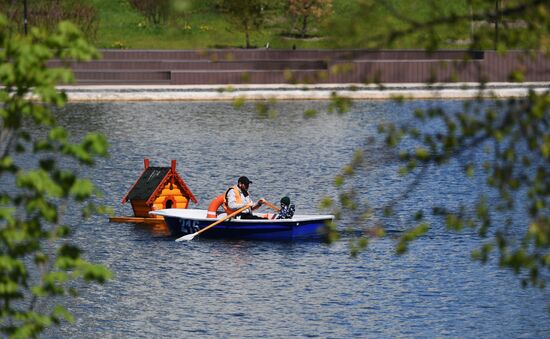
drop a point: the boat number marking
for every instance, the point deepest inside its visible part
(190, 226)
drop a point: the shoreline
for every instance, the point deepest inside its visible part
(106, 93)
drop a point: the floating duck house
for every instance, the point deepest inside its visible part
(158, 188)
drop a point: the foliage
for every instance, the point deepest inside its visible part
(156, 11)
(433, 24)
(47, 14)
(304, 10)
(37, 262)
(518, 137)
(515, 134)
(247, 15)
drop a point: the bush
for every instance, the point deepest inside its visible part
(47, 14)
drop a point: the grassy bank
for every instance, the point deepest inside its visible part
(199, 27)
(122, 27)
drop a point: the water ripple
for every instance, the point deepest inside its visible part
(237, 289)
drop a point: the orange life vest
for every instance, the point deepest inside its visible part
(238, 199)
(221, 200)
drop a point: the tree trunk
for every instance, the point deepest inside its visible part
(294, 23)
(247, 34)
(25, 16)
(497, 18)
(304, 26)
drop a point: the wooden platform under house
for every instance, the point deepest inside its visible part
(157, 188)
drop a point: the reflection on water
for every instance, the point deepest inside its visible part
(156, 230)
(209, 288)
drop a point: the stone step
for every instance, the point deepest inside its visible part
(288, 54)
(122, 75)
(100, 65)
(249, 77)
(201, 77)
(122, 82)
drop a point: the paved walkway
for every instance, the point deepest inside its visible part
(298, 92)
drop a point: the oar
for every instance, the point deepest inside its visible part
(277, 209)
(188, 237)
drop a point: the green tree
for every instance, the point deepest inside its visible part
(247, 15)
(156, 11)
(37, 260)
(304, 11)
(47, 14)
(515, 134)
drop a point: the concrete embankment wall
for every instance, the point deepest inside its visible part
(269, 66)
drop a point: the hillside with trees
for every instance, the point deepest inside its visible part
(193, 24)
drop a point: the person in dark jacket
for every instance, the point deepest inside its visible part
(287, 209)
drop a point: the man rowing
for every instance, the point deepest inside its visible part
(238, 196)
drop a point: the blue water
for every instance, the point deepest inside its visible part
(236, 289)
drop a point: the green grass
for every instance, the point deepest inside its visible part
(122, 27)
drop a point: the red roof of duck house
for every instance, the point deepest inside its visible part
(151, 182)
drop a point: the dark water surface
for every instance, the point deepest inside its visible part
(237, 289)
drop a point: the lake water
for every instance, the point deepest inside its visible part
(238, 289)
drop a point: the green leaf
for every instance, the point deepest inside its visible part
(239, 102)
(422, 154)
(6, 163)
(40, 182)
(58, 133)
(411, 235)
(60, 312)
(96, 273)
(516, 76)
(326, 203)
(310, 113)
(545, 147)
(82, 189)
(338, 180)
(469, 170)
(339, 103)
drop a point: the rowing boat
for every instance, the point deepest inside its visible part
(189, 221)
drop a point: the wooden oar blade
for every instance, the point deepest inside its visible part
(186, 237)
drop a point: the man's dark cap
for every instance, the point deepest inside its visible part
(244, 180)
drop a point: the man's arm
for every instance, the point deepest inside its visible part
(258, 204)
